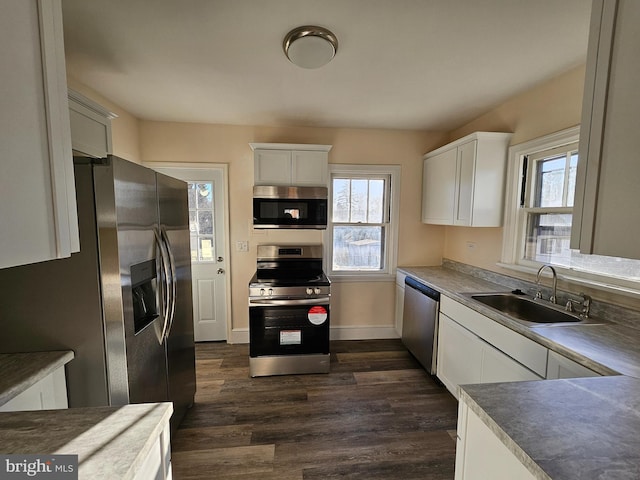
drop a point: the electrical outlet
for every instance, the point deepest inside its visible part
(242, 246)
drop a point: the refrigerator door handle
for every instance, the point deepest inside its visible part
(173, 280)
(165, 296)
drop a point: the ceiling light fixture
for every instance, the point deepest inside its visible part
(310, 46)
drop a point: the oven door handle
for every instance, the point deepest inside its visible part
(259, 302)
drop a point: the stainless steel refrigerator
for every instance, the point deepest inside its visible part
(123, 304)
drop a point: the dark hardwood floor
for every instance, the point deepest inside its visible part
(377, 415)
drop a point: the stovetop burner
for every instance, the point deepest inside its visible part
(289, 271)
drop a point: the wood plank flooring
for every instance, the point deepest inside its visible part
(377, 415)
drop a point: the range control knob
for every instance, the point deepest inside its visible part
(309, 291)
(271, 292)
(262, 292)
(317, 291)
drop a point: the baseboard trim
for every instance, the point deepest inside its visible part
(368, 332)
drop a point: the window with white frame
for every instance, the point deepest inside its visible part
(540, 210)
(363, 220)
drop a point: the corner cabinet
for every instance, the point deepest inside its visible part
(608, 168)
(291, 164)
(463, 182)
(38, 208)
(90, 126)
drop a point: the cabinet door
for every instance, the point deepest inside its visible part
(608, 169)
(309, 168)
(90, 127)
(50, 393)
(559, 366)
(498, 367)
(459, 355)
(38, 208)
(272, 167)
(480, 454)
(439, 188)
(465, 169)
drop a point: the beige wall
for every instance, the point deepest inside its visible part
(355, 304)
(124, 128)
(550, 107)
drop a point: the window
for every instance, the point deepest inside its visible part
(550, 179)
(201, 223)
(539, 214)
(362, 230)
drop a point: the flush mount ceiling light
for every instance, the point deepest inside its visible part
(310, 46)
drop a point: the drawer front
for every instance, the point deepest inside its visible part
(526, 351)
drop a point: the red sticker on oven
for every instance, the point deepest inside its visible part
(317, 315)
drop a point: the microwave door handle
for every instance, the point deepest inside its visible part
(172, 281)
(164, 276)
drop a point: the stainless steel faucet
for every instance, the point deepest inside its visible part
(585, 303)
(552, 298)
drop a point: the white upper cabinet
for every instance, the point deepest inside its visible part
(463, 182)
(90, 126)
(38, 208)
(606, 220)
(291, 164)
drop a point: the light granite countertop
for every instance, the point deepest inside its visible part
(111, 442)
(577, 429)
(22, 370)
(609, 348)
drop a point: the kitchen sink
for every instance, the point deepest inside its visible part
(529, 311)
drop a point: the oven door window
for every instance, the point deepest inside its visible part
(282, 330)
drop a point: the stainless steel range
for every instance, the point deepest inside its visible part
(289, 312)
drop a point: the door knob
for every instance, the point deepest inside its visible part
(220, 271)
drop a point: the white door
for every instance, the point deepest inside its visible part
(208, 224)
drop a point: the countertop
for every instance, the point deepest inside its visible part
(609, 348)
(22, 370)
(560, 429)
(111, 442)
(585, 428)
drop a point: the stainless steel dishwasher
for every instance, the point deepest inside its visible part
(420, 322)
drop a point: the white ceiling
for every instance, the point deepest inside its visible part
(405, 64)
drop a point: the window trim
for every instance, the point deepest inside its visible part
(513, 224)
(391, 248)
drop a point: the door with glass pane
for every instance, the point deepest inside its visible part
(206, 187)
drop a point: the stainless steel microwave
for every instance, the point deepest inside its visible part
(289, 207)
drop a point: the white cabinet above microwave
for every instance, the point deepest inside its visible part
(286, 164)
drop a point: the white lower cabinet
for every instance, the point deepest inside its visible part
(157, 465)
(475, 349)
(481, 455)
(464, 358)
(559, 366)
(459, 354)
(399, 311)
(49, 393)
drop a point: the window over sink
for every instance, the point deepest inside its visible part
(539, 211)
